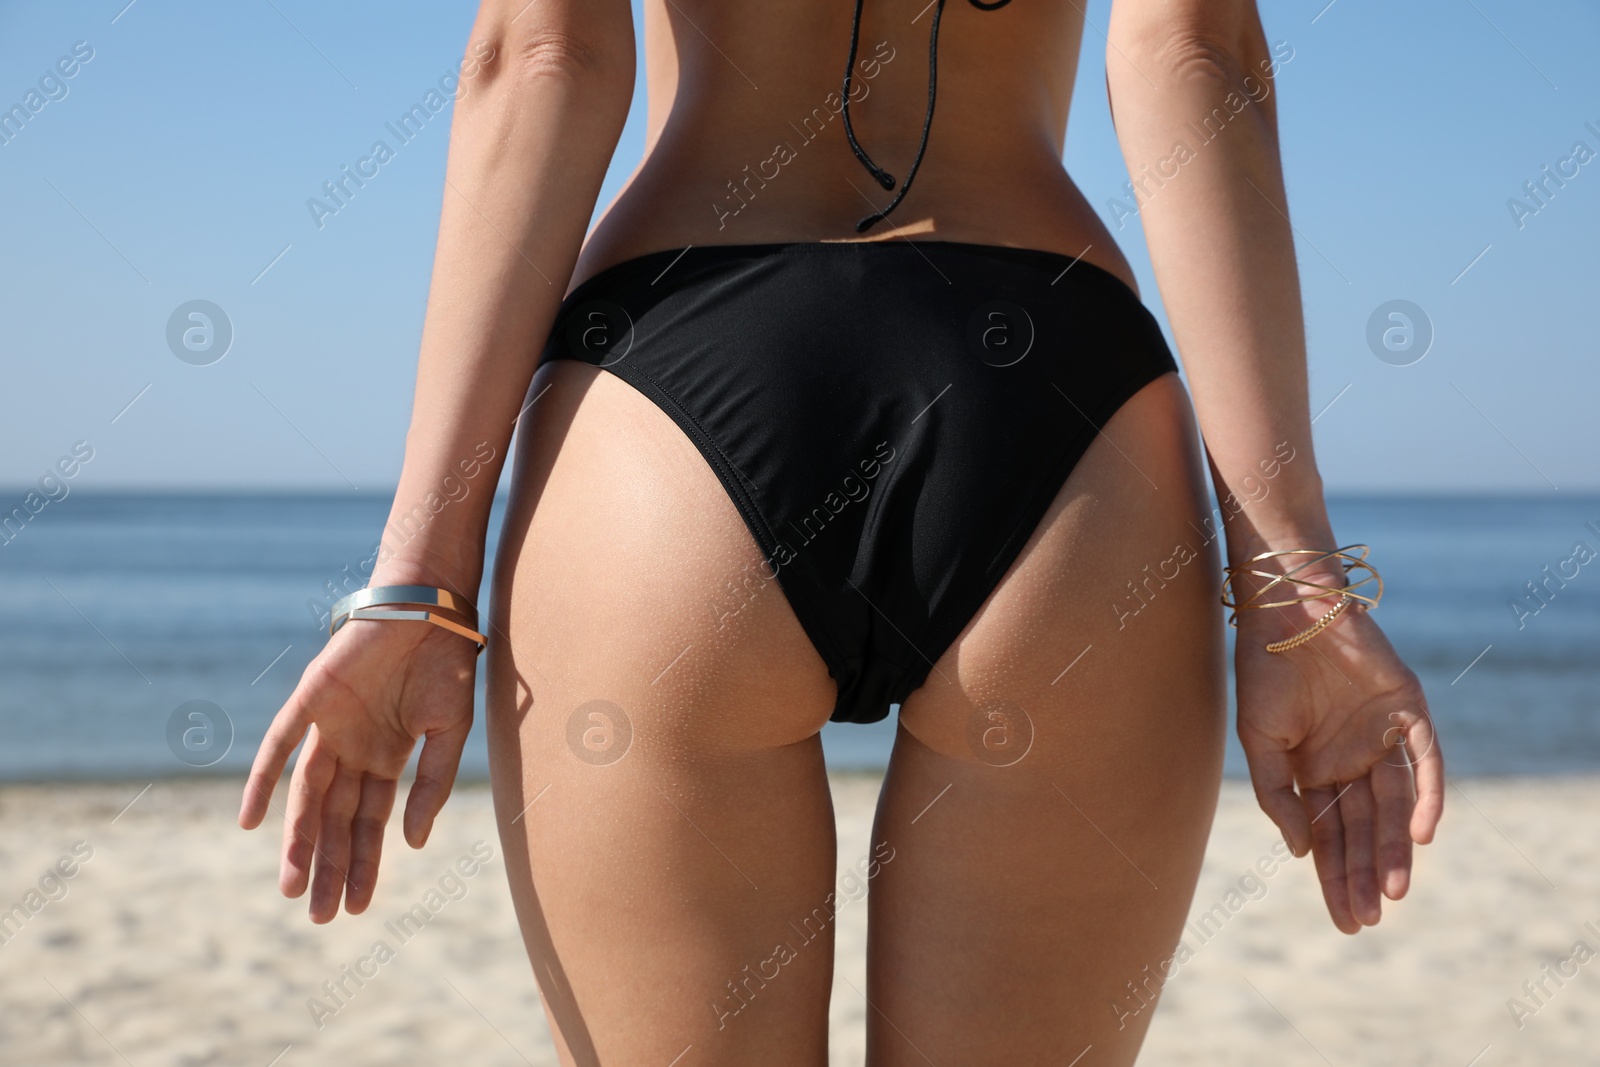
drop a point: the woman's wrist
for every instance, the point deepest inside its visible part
(1313, 588)
(1271, 503)
(1292, 516)
(438, 522)
(1245, 545)
(1273, 624)
(434, 540)
(413, 568)
(1287, 533)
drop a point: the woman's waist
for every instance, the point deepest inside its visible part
(731, 196)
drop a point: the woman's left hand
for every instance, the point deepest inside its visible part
(1345, 721)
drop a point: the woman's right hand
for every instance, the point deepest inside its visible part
(362, 703)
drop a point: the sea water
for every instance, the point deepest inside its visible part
(118, 608)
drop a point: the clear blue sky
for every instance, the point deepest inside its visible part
(178, 164)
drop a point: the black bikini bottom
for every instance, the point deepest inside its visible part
(892, 419)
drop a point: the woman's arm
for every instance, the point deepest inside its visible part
(543, 100)
(1193, 91)
(534, 131)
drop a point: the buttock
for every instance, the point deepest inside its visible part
(890, 419)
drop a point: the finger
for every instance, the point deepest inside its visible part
(1427, 766)
(1357, 812)
(1272, 774)
(1391, 788)
(436, 775)
(287, 729)
(331, 863)
(1327, 849)
(312, 774)
(366, 841)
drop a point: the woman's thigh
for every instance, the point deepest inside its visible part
(653, 713)
(1053, 783)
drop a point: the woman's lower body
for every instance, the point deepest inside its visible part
(698, 570)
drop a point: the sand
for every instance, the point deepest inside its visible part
(168, 943)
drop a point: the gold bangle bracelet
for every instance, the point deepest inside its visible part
(1351, 557)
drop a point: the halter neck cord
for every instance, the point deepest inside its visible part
(881, 176)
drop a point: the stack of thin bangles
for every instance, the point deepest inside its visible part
(419, 603)
(1351, 557)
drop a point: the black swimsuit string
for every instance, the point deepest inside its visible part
(883, 177)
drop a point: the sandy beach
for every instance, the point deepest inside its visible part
(168, 943)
